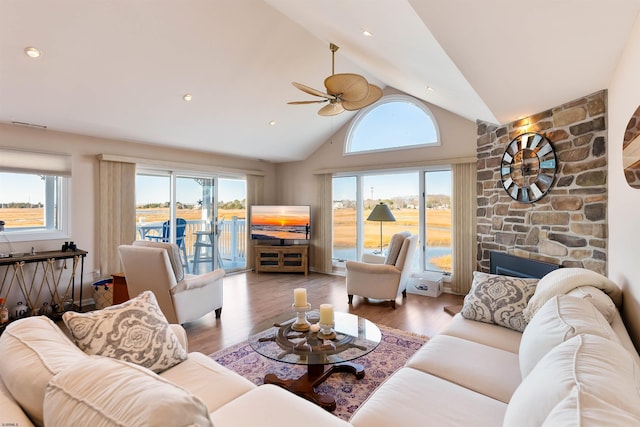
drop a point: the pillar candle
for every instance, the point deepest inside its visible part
(326, 314)
(300, 297)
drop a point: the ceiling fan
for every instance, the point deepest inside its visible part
(344, 91)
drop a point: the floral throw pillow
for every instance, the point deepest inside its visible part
(498, 299)
(135, 331)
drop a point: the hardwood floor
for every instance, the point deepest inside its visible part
(250, 298)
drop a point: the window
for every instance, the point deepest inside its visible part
(34, 195)
(428, 216)
(396, 121)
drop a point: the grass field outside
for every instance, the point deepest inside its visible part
(438, 224)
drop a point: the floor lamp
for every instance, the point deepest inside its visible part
(381, 212)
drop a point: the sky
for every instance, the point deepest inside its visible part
(393, 185)
(153, 189)
(21, 188)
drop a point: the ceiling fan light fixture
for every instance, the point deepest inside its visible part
(345, 91)
(331, 109)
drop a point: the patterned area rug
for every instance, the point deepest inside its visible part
(394, 350)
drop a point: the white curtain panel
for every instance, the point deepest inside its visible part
(464, 226)
(255, 196)
(117, 212)
(322, 236)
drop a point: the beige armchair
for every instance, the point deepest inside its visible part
(382, 277)
(158, 267)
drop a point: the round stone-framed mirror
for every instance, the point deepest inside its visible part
(631, 150)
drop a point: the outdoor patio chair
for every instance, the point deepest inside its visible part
(181, 226)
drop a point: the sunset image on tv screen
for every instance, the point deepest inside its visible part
(280, 222)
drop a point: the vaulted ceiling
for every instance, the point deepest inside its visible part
(120, 68)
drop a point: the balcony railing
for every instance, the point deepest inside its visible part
(230, 239)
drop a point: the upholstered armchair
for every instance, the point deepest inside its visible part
(157, 266)
(382, 277)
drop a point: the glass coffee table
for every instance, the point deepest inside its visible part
(274, 338)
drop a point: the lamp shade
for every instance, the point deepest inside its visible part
(381, 212)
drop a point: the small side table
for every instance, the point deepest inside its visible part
(120, 291)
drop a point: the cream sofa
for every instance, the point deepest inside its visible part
(573, 365)
(40, 368)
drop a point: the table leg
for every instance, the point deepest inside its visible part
(316, 374)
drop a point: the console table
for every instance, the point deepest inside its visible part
(32, 291)
(282, 259)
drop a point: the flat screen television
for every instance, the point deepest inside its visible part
(280, 222)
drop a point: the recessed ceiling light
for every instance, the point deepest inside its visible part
(32, 52)
(272, 123)
(366, 33)
(187, 97)
(429, 88)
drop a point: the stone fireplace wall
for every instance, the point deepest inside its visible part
(568, 226)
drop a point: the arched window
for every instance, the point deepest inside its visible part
(394, 122)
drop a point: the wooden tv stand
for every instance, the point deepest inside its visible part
(282, 259)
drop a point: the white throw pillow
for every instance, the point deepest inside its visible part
(105, 392)
(498, 299)
(582, 409)
(596, 365)
(598, 298)
(135, 331)
(560, 318)
(32, 351)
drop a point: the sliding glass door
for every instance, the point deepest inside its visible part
(181, 208)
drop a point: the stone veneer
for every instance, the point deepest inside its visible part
(568, 226)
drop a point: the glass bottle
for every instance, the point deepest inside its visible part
(4, 312)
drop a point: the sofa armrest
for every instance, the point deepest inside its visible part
(366, 268)
(191, 281)
(373, 258)
(180, 332)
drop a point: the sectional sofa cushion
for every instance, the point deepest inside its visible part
(10, 411)
(204, 378)
(498, 299)
(135, 331)
(125, 395)
(32, 351)
(412, 398)
(484, 333)
(582, 409)
(595, 365)
(271, 405)
(598, 298)
(564, 280)
(448, 358)
(559, 319)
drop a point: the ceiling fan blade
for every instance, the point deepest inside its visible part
(312, 91)
(307, 102)
(331, 109)
(349, 87)
(375, 93)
